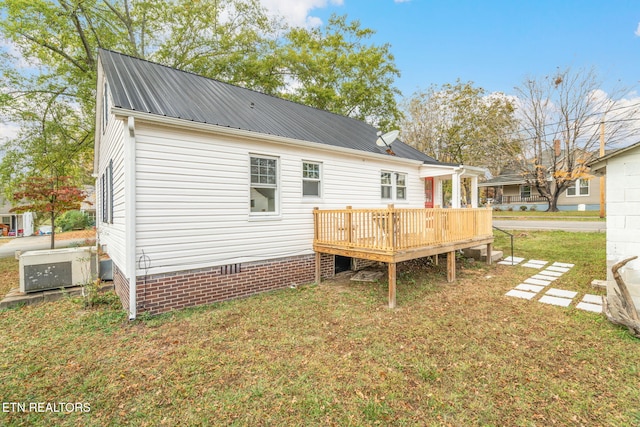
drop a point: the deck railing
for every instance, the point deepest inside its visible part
(392, 229)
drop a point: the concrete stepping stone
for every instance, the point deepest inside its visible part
(548, 299)
(520, 294)
(592, 299)
(562, 264)
(558, 269)
(551, 273)
(541, 276)
(561, 293)
(534, 263)
(541, 282)
(595, 308)
(529, 287)
(511, 260)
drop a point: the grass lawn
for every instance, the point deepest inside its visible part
(517, 214)
(450, 354)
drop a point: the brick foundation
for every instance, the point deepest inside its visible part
(170, 291)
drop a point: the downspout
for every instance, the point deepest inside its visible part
(130, 215)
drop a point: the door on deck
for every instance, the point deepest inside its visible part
(428, 192)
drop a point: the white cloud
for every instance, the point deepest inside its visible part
(401, 1)
(297, 12)
(637, 32)
(8, 131)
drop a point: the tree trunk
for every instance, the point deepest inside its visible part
(553, 202)
(53, 230)
(619, 306)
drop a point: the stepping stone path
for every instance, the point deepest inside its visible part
(536, 284)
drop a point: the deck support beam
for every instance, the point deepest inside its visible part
(451, 266)
(489, 253)
(392, 284)
(318, 267)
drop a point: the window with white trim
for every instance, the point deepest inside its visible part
(264, 185)
(393, 186)
(525, 191)
(106, 199)
(311, 179)
(578, 188)
(105, 106)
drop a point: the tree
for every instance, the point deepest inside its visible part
(460, 123)
(560, 116)
(54, 62)
(48, 196)
(332, 68)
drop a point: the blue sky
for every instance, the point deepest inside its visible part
(496, 44)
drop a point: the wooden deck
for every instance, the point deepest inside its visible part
(393, 235)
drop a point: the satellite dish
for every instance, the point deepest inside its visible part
(386, 139)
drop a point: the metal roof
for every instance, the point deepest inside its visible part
(144, 86)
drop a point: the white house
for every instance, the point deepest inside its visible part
(13, 224)
(622, 168)
(205, 190)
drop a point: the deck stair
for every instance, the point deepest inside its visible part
(480, 253)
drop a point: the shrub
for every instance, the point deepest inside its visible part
(510, 209)
(497, 209)
(73, 220)
(533, 209)
(523, 208)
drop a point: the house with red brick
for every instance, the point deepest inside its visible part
(205, 191)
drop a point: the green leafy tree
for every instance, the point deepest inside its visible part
(333, 68)
(50, 59)
(461, 123)
(48, 197)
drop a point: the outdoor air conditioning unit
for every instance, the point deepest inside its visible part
(57, 268)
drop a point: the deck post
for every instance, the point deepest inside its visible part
(318, 267)
(489, 253)
(451, 266)
(392, 284)
(349, 225)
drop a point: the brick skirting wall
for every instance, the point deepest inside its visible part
(170, 291)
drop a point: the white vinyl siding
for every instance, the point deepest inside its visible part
(192, 197)
(110, 197)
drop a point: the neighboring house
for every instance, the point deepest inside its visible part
(622, 169)
(206, 191)
(510, 190)
(88, 205)
(13, 224)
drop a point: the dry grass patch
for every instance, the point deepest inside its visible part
(459, 354)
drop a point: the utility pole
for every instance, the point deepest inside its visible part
(602, 179)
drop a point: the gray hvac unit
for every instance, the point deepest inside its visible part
(57, 268)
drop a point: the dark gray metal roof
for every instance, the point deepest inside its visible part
(140, 85)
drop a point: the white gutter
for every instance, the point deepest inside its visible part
(130, 215)
(224, 130)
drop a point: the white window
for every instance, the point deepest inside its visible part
(311, 179)
(401, 186)
(264, 184)
(106, 200)
(105, 106)
(525, 191)
(579, 188)
(393, 186)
